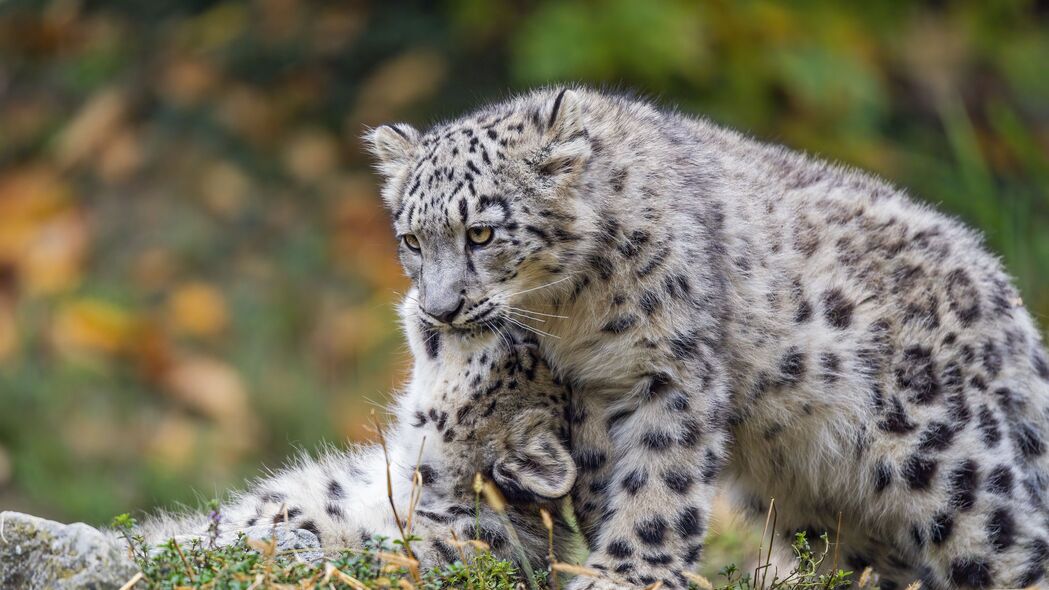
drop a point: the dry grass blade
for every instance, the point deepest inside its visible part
(389, 488)
(837, 543)
(576, 570)
(548, 522)
(189, 569)
(417, 486)
(498, 503)
(493, 497)
(135, 579)
(397, 559)
(458, 545)
(259, 580)
(655, 585)
(914, 586)
(763, 566)
(701, 582)
(331, 570)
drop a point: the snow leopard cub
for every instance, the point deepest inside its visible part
(482, 402)
(730, 313)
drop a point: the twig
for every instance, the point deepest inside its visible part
(496, 500)
(772, 540)
(548, 522)
(761, 543)
(837, 542)
(417, 486)
(458, 545)
(389, 487)
(344, 578)
(701, 582)
(185, 562)
(135, 579)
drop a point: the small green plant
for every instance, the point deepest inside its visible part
(125, 525)
(248, 563)
(803, 576)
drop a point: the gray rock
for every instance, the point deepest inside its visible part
(38, 554)
(42, 554)
(300, 544)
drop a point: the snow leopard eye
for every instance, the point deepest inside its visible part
(411, 241)
(479, 235)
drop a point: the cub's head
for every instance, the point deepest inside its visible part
(486, 208)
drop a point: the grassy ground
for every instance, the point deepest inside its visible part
(256, 564)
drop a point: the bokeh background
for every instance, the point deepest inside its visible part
(196, 275)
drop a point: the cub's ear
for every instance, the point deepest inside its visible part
(568, 144)
(392, 146)
(540, 469)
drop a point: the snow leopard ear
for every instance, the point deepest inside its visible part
(539, 468)
(392, 146)
(568, 144)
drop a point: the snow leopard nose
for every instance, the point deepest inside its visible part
(444, 309)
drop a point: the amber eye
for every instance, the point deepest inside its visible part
(479, 235)
(411, 241)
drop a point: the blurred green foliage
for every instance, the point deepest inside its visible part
(196, 274)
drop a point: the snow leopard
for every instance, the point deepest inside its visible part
(733, 314)
(486, 405)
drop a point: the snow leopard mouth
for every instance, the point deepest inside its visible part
(490, 323)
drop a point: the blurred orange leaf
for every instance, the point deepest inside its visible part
(54, 258)
(224, 188)
(405, 79)
(121, 157)
(187, 81)
(346, 333)
(311, 154)
(197, 309)
(43, 235)
(250, 114)
(93, 325)
(208, 386)
(94, 126)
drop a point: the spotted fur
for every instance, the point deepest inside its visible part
(729, 312)
(485, 404)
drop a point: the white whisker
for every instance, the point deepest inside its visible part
(431, 337)
(561, 280)
(408, 297)
(529, 328)
(539, 313)
(495, 328)
(526, 316)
